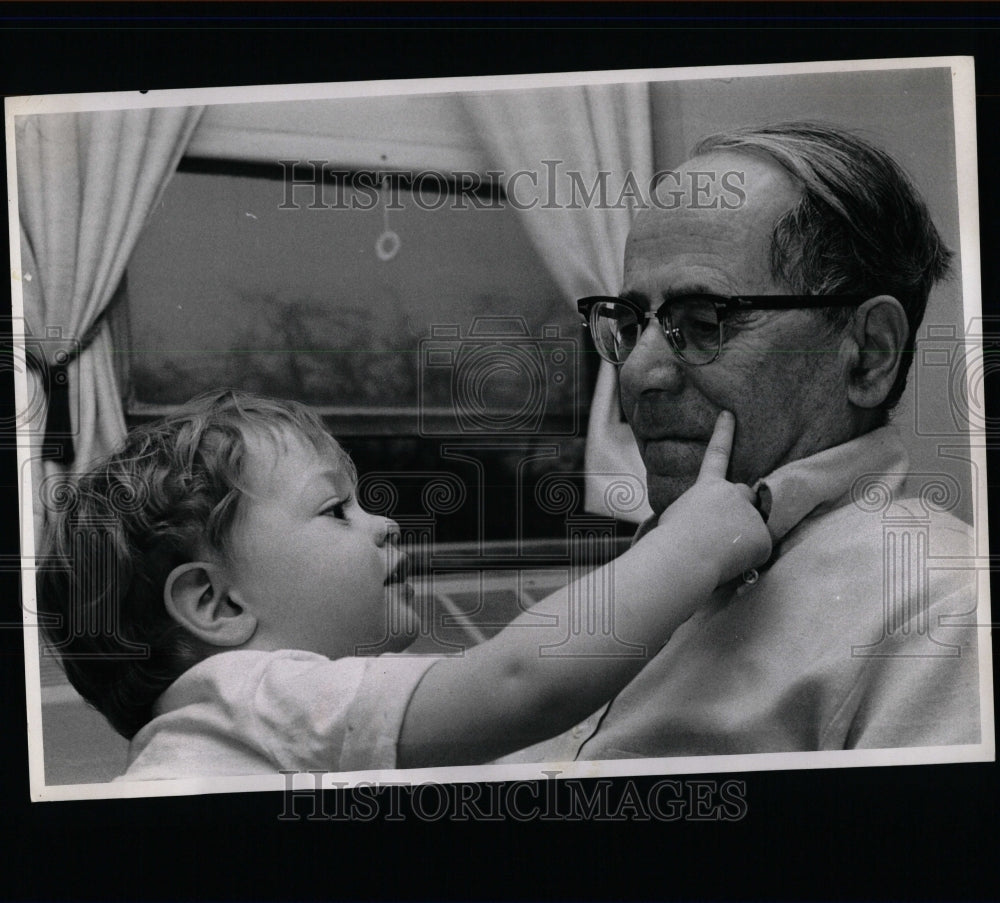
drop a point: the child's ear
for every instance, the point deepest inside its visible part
(196, 597)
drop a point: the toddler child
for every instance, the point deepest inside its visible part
(214, 587)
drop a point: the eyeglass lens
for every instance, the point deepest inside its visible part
(690, 325)
(615, 330)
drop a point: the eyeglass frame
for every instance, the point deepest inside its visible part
(725, 306)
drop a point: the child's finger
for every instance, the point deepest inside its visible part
(716, 461)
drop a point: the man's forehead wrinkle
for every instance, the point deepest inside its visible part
(677, 238)
(705, 262)
(691, 232)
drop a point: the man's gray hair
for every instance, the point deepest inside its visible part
(861, 227)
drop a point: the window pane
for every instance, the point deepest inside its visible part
(228, 288)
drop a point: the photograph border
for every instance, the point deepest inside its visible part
(967, 185)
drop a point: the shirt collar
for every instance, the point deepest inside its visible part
(824, 481)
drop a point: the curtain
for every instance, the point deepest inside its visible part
(588, 130)
(86, 183)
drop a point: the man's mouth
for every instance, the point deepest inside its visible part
(651, 422)
(646, 439)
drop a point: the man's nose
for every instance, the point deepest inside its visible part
(652, 364)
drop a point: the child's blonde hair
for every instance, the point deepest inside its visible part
(170, 491)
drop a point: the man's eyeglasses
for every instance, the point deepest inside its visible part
(692, 324)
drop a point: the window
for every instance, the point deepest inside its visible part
(418, 363)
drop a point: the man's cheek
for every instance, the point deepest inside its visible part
(754, 454)
(742, 466)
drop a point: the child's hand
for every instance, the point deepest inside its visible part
(718, 518)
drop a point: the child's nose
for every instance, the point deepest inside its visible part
(387, 531)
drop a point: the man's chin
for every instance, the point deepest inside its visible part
(671, 468)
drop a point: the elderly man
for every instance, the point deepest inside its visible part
(796, 309)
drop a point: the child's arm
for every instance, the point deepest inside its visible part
(506, 694)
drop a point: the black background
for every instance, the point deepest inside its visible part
(923, 832)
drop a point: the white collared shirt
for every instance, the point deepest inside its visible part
(857, 633)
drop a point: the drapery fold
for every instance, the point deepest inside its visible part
(87, 183)
(603, 134)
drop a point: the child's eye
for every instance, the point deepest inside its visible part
(337, 509)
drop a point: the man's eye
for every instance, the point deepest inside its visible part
(705, 326)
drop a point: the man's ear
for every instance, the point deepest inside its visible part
(197, 598)
(879, 331)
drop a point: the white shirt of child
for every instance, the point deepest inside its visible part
(243, 713)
